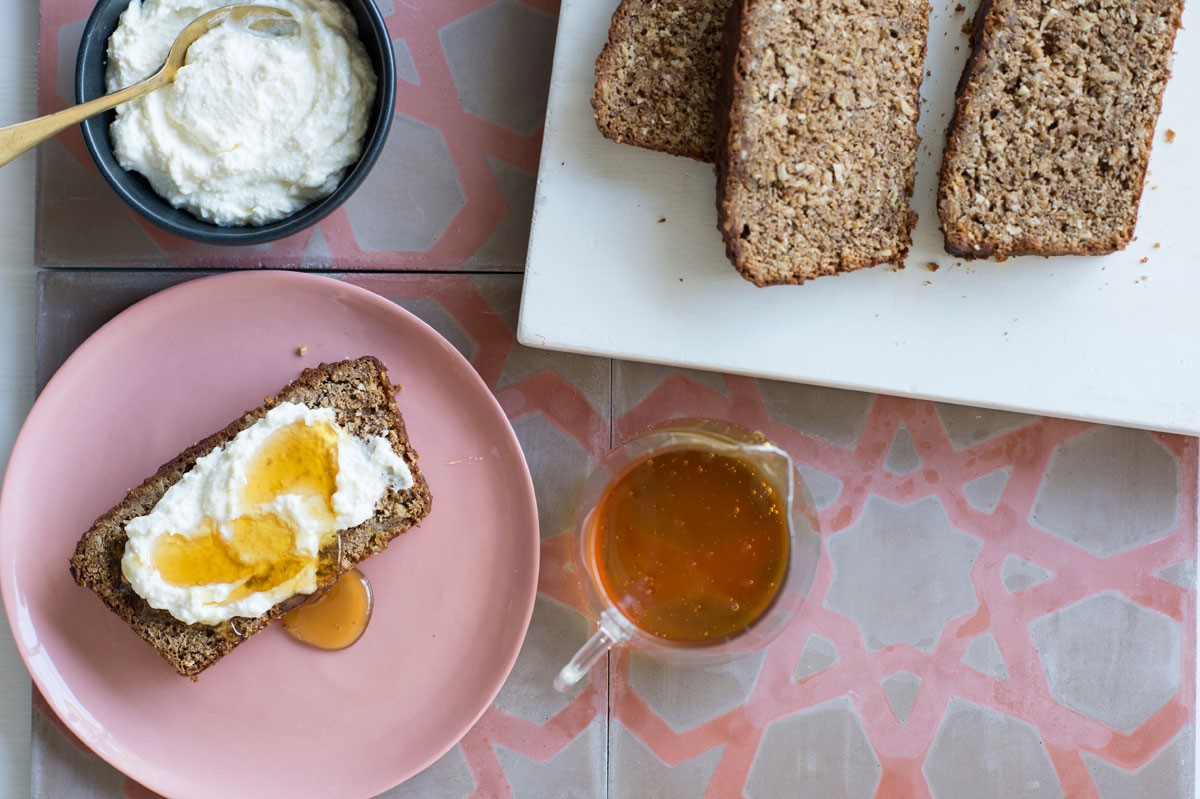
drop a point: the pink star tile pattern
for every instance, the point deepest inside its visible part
(452, 189)
(1005, 609)
(1047, 650)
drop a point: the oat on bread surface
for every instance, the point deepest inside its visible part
(816, 135)
(364, 403)
(656, 78)
(1053, 125)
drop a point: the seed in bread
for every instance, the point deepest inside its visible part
(1051, 135)
(363, 402)
(656, 78)
(817, 135)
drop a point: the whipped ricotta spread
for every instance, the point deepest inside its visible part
(244, 529)
(253, 128)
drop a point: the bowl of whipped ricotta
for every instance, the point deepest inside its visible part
(260, 135)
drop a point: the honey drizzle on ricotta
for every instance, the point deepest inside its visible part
(246, 528)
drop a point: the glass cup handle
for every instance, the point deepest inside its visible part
(607, 635)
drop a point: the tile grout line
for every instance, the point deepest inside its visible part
(612, 367)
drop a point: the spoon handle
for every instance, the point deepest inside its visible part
(17, 139)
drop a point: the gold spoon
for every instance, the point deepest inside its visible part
(267, 20)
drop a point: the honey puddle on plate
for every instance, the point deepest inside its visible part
(336, 618)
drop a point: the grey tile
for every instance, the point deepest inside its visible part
(983, 493)
(576, 772)
(833, 414)
(509, 241)
(1109, 490)
(412, 193)
(62, 767)
(902, 457)
(819, 654)
(824, 487)
(1170, 774)
(901, 572)
(431, 312)
(635, 772)
(1182, 574)
(316, 253)
(900, 690)
(983, 655)
(685, 698)
(69, 36)
(81, 219)
(500, 59)
(982, 754)
(1109, 659)
(633, 382)
(966, 426)
(1019, 574)
(558, 464)
(406, 69)
(555, 632)
(820, 753)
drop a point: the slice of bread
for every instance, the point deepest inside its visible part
(1047, 150)
(364, 404)
(656, 78)
(817, 135)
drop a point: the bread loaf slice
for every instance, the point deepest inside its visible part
(1047, 150)
(817, 135)
(656, 78)
(364, 404)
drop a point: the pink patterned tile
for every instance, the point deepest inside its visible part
(453, 187)
(905, 679)
(1046, 652)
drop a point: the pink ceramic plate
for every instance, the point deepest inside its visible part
(274, 719)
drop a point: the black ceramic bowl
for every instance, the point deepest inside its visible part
(136, 190)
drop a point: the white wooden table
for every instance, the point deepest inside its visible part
(18, 82)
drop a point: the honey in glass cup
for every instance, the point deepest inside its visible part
(698, 542)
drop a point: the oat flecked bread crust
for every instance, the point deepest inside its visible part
(364, 404)
(1052, 129)
(817, 135)
(656, 78)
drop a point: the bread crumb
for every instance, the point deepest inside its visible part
(1145, 277)
(662, 220)
(1144, 260)
(302, 350)
(932, 266)
(1170, 136)
(926, 282)
(968, 27)
(958, 9)
(1157, 245)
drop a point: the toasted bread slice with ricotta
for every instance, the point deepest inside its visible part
(363, 401)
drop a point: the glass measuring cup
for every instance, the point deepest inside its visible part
(748, 517)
